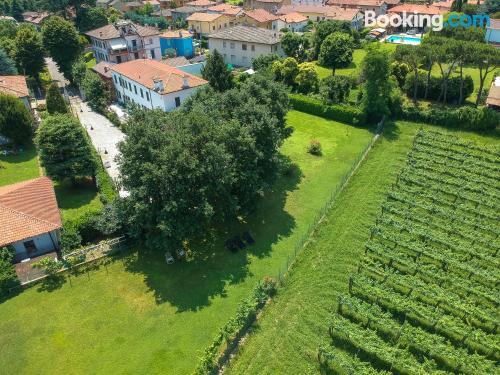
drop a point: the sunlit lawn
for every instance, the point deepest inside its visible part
(141, 316)
(20, 167)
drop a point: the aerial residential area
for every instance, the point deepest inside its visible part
(249, 187)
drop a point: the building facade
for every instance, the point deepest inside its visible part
(179, 40)
(240, 45)
(125, 41)
(493, 32)
(153, 84)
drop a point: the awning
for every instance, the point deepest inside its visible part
(117, 45)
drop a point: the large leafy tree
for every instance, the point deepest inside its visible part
(15, 119)
(263, 62)
(487, 59)
(64, 148)
(325, 28)
(336, 51)
(295, 45)
(7, 65)
(412, 56)
(55, 101)
(209, 161)
(8, 29)
(60, 38)
(307, 80)
(216, 72)
(335, 89)
(91, 18)
(29, 51)
(285, 70)
(95, 91)
(376, 88)
(16, 10)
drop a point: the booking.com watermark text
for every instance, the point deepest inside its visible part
(434, 22)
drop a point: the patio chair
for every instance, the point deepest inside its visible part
(247, 237)
(169, 258)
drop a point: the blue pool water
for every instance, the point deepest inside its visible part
(404, 39)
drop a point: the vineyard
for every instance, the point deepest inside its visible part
(425, 297)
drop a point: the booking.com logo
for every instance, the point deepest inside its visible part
(434, 22)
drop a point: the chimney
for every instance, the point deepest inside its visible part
(185, 82)
(158, 84)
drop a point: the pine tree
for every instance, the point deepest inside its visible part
(16, 10)
(54, 100)
(216, 72)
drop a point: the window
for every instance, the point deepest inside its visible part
(153, 54)
(118, 59)
(244, 60)
(30, 246)
(244, 47)
(130, 86)
(135, 89)
(136, 55)
(116, 81)
(147, 96)
(142, 93)
(252, 47)
(232, 45)
(213, 27)
(233, 58)
(224, 44)
(177, 101)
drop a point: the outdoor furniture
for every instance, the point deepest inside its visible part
(247, 237)
(169, 258)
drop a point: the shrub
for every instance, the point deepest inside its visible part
(54, 100)
(49, 265)
(481, 118)
(8, 278)
(70, 239)
(335, 89)
(315, 148)
(342, 113)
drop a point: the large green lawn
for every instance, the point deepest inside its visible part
(20, 167)
(291, 328)
(140, 315)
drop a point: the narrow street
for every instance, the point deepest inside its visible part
(104, 134)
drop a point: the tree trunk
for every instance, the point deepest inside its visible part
(443, 78)
(481, 84)
(415, 85)
(461, 97)
(333, 71)
(428, 81)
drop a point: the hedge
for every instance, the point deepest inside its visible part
(342, 113)
(481, 118)
(235, 327)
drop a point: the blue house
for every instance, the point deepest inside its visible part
(179, 40)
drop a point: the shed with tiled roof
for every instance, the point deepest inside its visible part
(29, 218)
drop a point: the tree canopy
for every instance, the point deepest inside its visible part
(325, 28)
(91, 18)
(216, 72)
(60, 38)
(95, 91)
(55, 101)
(64, 148)
(336, 51)
(7, 65)
(295, 45)
(206, 162)
(29, 52)
(15, 120)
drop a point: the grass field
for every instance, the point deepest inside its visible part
(292, 327)
(20, 167)
(139, 315)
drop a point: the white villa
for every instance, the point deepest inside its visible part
(153, 84)
(125, 41)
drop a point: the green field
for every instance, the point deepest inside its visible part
(20, 167)
(139, 315)
(291, 329)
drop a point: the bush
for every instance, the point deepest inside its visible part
(54, 100)
(49, 265)
(70, 239)
(335, 89)
(481, 118)
(343, 113)
(315, 148)
(434, 90)
(8, 277)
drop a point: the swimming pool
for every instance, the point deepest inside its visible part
(401, 39)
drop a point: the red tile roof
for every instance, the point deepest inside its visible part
(145, 72)
(14, 85)
(113, 31)
(355, 2)
(176, 34)
(35, 17)
(28, 209)
(261, 15)
(228, 9)
(293, 17)
(201, 3)
(418, 8)
(204, 17)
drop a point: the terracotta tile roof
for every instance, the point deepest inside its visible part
(28, 209)
(419, 8)
(341, 14)
(355, 2)
(176, 34)
(145, 72)
(113, 31)
(228, 9)
(35, 17)
(14, 85)
(269, 1)
(188, 10)
(103, 68)
(392, 2)
(261, 15)
(201, 3)
(176, 61)
(330, 12)
(204, 17)
(248, 34)
(293, 17)
(302, 8)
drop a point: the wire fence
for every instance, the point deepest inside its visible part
(300, 245)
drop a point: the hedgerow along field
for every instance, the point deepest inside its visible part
(425, 296)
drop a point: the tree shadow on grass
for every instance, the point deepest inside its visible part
(391, 132)
(51, 283)
(189, 285)
(72, 197)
